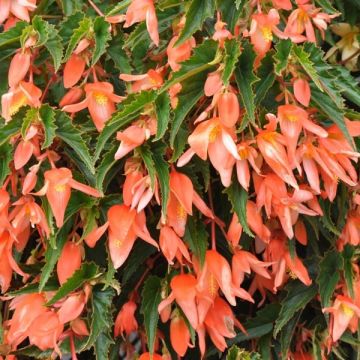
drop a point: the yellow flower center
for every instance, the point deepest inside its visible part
(214, 133)
(212, 286)
(118, 243)
(347, 310)
(15, 106)
(100, 98)
(270, 137)
(181, 212)
(243, 153)
(267, 33)
(60, 188)
(291, 118)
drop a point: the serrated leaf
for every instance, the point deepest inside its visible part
(69, 7)
(347, 256)
(196, 237)
(347, 84)
(102, 37)
(118, 54)
(47, 117)
(329, 276)
(146, 155)
(245, 79)
(84, 30)
(55, 46)
(298, 296)
(6, 156)
(303, 57)
(326, 5)
(162, 108)
(30, 116)
(87, 272)
(287, 334)
(12, 128)
(203, 59)
(162, 170)
(267, 78)
(102, 346)
(150, 300)
(72, 136)
(196, 14)
(107, 162)
(69, 24)
(130, 109)
(230, 14)
(12, 36)
(326, 104)
(232, 53)
(42, 28)
(238, 198)
(101, 316)
(282, 55)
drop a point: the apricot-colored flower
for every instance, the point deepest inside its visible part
(125, 226)
(140, 10)
(178, 54)
(153, 79)
(26, 93)
(19, 67)
(342, 312)
(229, 109)
(69, 261)
(125, 320)
(179, 334)
(100, 100)
(57, 188)
(18, 8)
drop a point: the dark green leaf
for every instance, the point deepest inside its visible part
(54, 46)
(102, 38)
(347, 256)
(232, 53)
(162, 108)
(6, 156)
(42, 28)
(72, 136)
(102, 346)
(298, 296)
(238, 198)
(197, 238)
(12, 36)
(162, 170)
(267, 78)
(151, 297)
(146, 154)
(282, 55)
(87, 272)
(12, 128)
(196, 14)
(31, 115)
(287, 334)
(47, 116)
(245, 79)
(104, 167)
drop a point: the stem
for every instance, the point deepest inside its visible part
(97, 10)
(350, 57)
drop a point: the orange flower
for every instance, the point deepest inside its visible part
(153, 79)
(147, 356)
(69, 261)
(73, 306)
(57, 187)
(18, 8)
(19, 67)
(183, 291)
(342, 312)
(211, 137)
(26, 93)
(125, 320)
(182, 196)
(179, 334)
(178, 54)
(100, 100)
(140, 10)
(302, 91)
(125, 226)
(229, 109)
(171, 245)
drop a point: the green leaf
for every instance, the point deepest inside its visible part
(267, 78)
(287, 334)
(31, 115)
(162, 108)
(203, 59)
(72, 136)
(245, 79)
(230, 14)
(42, 28)
(303, 57)
(298, 296)
(47, 116)
(12, 128)
(54, 46)
(196, 15)
(232, 53)
(12, 36)
(236, 353)
(69, 24)
(282, 55)
(162, 170)
(347, 256)
(52, 285)
(6, 156)
(69, 7)
(326, 218)
(238, 198)
(104, 167)
(146, 154)
(130, 109)
(347, 84)
(102, 346)
(87, 272)
(197, 238)
(84, 30)
(102, 38)
(326, 5)
(150, 300)
(119, 55)
(326, 104)
(101, 315)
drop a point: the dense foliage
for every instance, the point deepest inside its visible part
(180, 179)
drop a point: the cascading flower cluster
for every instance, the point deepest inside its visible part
(171, 175)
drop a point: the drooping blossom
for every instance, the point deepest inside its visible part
(69, 261)
(19, 67)
(179, 53)
(100, 100)
(18, 8)
(179, 334)
(125, 320)
(153, 79)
